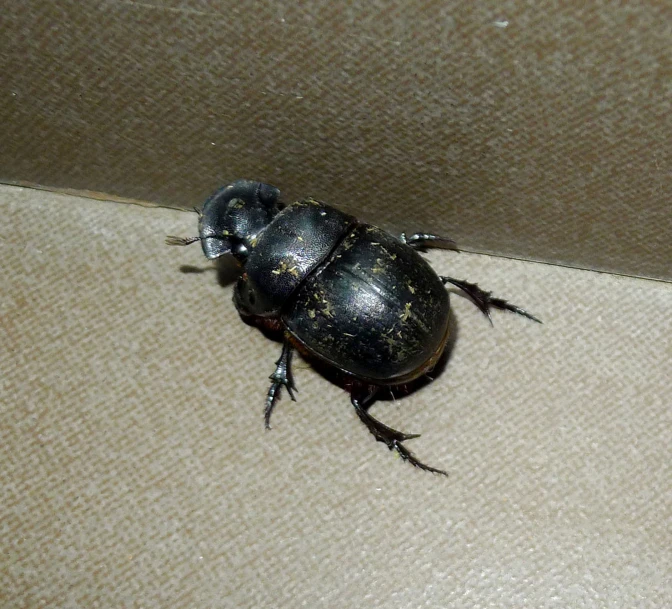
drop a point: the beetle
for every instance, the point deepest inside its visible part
(345, 293)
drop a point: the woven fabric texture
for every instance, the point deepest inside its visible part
(538, 130)
(136, 471)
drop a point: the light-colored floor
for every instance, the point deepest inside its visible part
(136, 471)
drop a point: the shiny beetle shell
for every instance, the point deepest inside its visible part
(374, 308)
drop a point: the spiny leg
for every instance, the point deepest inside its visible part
(281, 376)
(423, 241)
(485, 301)
(391, 437)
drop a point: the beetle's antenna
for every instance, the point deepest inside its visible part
(172, 240)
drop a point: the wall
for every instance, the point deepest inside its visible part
(535, 130)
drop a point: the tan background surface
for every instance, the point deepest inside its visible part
(136, 471)
(547, 139)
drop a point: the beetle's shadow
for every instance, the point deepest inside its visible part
(226, 267)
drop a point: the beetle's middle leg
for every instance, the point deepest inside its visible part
(485, 301)
(391, 437)
(281, 377)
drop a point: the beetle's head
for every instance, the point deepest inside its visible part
(233, 217)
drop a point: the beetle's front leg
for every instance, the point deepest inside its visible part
(391, 437)
(485, 301)
(281, 376)
(423, 241)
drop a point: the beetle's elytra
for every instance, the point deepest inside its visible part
(346, 293)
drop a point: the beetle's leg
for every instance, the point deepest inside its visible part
(281, 376)
(423, 241)
(391, 437)
(485, 301)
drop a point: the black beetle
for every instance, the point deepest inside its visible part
(347, 293)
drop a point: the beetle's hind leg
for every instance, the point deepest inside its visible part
(423, 241)
(391, 437)
(485, 301)
(281, 377)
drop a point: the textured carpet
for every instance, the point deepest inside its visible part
(136, 471)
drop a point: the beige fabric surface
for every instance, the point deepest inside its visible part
(136, 471)
(538, 130)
